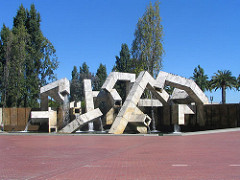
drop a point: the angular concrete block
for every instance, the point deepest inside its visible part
(179, 111)
(118, 126)
(95, 93)
(116, 99)
(88, 95)
(140, 118)
(57, 90)
(72, 104)
(180, 96)
(110, 116)
(78, 104)
(149, 103)
(81, 120)
(160, 81)
(135, 93)
(187, 85)
(114, 77)
(163, 96)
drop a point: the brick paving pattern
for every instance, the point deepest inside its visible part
(212, 156)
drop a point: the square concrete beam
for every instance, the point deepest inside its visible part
(187, 85)
(179, 111)
(81, 120)
(88, 95)
(117, 76)
(149, 103)
(57, 90)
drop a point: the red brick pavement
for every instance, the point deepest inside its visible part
(212, 156)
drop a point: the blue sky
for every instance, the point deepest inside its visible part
(195, 32)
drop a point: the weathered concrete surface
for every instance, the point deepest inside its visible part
(88, 95)
(75, 104)
(129, 111)
(49, 116)
(81, 120)
(179, 111)
(187, 85)
(108, 102)
(57, 90)
(115, 98)
(180, 96)
(117, 76)
(149, 103)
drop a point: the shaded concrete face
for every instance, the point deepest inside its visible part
(180, 96)
(57, 90)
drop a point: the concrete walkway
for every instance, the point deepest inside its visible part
(42, 156)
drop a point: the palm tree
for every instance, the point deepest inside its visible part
(223, 80)
(238, 83)
(200, 78)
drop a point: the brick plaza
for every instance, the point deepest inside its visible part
(42, 156)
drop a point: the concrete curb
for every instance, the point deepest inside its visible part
(203, 132)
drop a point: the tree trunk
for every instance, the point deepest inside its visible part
(224, 95)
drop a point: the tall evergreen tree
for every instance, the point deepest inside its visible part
(17, 65)
(100, 77)
(75, 86)
(123, 62)
(147, 48)
(6, 57)
(223, 80)
(28, 59)
(200, 78)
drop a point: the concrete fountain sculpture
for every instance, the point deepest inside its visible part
(107, 105)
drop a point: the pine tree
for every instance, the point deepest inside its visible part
(75, 86)
(28, 60)
(100, 77)
(17, 63)
(123, 63)
(147, 49)
(6, 56)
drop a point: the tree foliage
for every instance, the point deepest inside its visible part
(76, 86)
(123, 62)
(27, 58)
(100, 77)
(147, 48)
(223, 80)
(200, 78)
(238, 83)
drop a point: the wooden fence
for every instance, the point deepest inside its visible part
(215, 116)
(15, 119)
